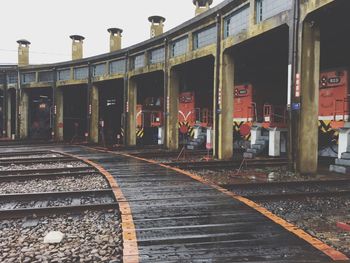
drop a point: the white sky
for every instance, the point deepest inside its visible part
(47, 24)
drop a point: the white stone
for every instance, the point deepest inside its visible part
(53, 237)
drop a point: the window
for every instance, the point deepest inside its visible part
(99, 70)
(179, 47)
(237, 22)
(157, 56)
(269, 8)
(28, 77)
(2, 79)
(205, 37)
(63, 74)
(138, 61)
(81, 73)
(46, 76)
(13, 77)
(117, 67)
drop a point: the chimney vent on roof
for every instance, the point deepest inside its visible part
(157, 25)
(77, 46)
(115, 41)
(23, 52)
(202, 5)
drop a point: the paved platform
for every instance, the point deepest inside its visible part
(178, 219)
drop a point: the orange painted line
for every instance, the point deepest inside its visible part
(130, 247)
(318, 244)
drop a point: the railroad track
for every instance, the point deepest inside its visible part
(15, 205)
(43, 160)
(24, 153)
(300, 190)
(21, 205)
(232, 164)
(168, 154)
(52, 175)
(45, 170)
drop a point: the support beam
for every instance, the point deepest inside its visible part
(58, 114)
(225, 129)
(24, 114)
(172, 131)
(131, 112)
(4, 113)
(94, 119)
(310, 74)
(9, 115)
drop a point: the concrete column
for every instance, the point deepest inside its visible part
(131, 112)
(309, 75)
(172, 131)
(58, 114)
(252, 13)
(23, 109)
(225, 102)
(94, 119)
(8, 113)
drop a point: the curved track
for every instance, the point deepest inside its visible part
(170, 216)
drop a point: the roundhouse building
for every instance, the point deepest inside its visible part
(278, 46)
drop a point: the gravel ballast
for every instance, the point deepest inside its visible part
(64, 184)
(51, 165)
(90, 237)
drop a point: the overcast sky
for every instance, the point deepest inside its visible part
(47, 24)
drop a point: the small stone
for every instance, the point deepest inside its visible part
(53, 237)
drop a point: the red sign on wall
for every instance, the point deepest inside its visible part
(297, 85)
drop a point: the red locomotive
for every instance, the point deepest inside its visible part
(244, 113)
(149, 117)
(333, 108)
(191, 114)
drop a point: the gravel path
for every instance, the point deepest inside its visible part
(91, 237)
(71, 183)
(50, 165)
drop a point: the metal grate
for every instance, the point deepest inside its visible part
(81, 73)
(179, 47)
(205, 37)
(46, 76)
(269, 8)
(237, 22)
(157, 56)
(99, 70)
(117, 67)
(63, 74)
(28, 77)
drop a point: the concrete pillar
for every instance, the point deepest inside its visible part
(58, 104)
(225, 102)
(131, 112)
(8, 113)
(2, 113)
(172, 131)
(309, 76)
(94, 119)
(24, 110)
(252, 13)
